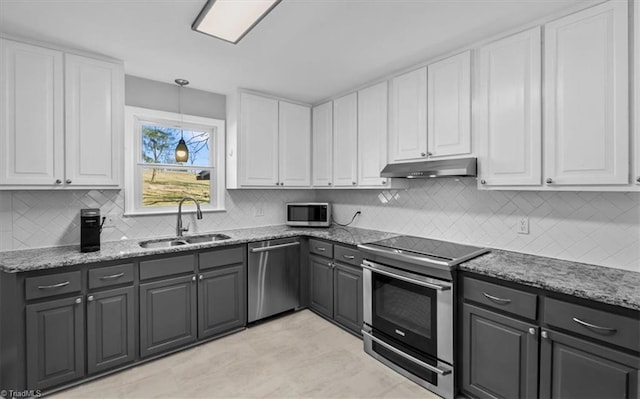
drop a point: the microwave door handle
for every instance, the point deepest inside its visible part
(408, 279)
(404, 355)
(272, 247)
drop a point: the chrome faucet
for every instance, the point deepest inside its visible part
(179, 228)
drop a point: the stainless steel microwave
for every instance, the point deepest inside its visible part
(313, 214)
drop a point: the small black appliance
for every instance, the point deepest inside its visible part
(90, 228)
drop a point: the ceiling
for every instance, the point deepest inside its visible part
(304, 50)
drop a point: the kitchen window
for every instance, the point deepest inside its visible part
(154, 181)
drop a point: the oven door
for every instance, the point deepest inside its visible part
(413, 310)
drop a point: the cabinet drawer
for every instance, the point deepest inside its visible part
(608, 327)
(321, 248)
(112, 275)
(510, 300)
(221, 257)
(347, 255)
(53, 284)
(166, 266)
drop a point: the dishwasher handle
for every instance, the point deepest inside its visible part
(274, 247)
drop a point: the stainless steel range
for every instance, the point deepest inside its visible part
(409, 307)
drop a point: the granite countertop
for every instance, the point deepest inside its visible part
(603, 284)
(47, 258)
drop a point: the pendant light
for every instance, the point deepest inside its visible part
(182, 152)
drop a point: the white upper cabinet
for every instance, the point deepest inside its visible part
(408, 116)
(93, 116)
(345, 140)
(258, 140)
(509, 110)
(449, 106)
(275, 141)
(372, 134)
(295, 144)
(323, 145)
(61, 119)
(32, 100)
(636, 77)
(586, 94)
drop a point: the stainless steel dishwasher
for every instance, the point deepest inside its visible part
(274, 277)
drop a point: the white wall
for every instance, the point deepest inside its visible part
(589, 227)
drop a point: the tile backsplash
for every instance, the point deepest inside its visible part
(591, 227)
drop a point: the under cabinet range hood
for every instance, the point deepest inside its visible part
(464, 167)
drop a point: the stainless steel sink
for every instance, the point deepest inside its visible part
(178, 241)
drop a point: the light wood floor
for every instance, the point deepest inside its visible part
(297, 356)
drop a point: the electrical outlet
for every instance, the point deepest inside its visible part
(110, 220)
(259, 211)
(523, 225)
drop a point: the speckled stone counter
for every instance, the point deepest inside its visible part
(46, 258)
(598, 283)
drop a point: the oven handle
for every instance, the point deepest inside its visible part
(408, 357)
(407, 279)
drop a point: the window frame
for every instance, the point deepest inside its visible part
(135, 117)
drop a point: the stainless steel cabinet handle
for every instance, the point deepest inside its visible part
(329, 183)
(545, 334)
(532, 331)
(90, 298)
(78, 300)
(501, 301)
(58, 181)
(423, 154)
(272, 247)
(429, 154)
(599, 329)
(407, 279)
(112, 276)
(353, 183)
(638, 179)
(549, 180)
(348, 256)
(385, 182)
(200, 277)
(277, 183)
(68, 181)
(408, 357)
(48, 287)
(193, 278)
(321, 249)
(483, 181)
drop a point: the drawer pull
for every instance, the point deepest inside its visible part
(598, 329)
(48, 287)
(348, 257)
(497, 300)
(112, 276)
(321, 249)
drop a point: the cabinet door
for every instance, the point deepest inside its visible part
(322, 170)
(31, 115)
(372, 134)
(295, 145)
(449, 106)
(321, 285)
(111, 329)
(347, 296)
(258, 140)
(55, 342)
(221, 301)
(167, 314)
(408, 116)
(94, 103)
(499, 355)
(573, 368)
(586, 97)
(509, 110)
(345, 140)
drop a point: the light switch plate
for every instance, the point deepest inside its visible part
(523, 225)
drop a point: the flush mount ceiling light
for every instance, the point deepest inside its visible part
(231, 20)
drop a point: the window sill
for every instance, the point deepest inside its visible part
(172, 211)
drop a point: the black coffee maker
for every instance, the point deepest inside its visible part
(90, 228)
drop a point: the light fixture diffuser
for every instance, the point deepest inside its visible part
(231, 20)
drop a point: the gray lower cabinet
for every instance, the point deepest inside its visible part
(575, 368)
(221, 300)
(347, 296)
(55, 342)
(110, 329)
(167, 314)
(500, 355)
(321, 285)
